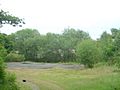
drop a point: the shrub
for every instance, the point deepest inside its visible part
(88, 53)
(2, 70)
(3, 52)
(14, 57)
(116, 59)
(9, 83)
(7, 80)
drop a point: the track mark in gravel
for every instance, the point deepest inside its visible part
(34, 65)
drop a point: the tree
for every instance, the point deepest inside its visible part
(6, 18)
(75, 36)
(106, 44)
(6, 42)
(70, 38)
(51, 48)
(117, 49)
(25, 43)
(88, 53)
(114, 32)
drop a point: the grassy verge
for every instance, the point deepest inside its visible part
(99, 78)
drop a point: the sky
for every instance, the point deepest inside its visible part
(92, 16)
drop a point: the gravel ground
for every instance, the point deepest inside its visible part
(33, 65)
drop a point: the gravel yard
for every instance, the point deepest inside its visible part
(33, 65)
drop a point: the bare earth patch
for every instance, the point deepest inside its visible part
(32, 65)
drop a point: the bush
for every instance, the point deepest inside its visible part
(116, 59)
(88, 53)
(3, 52)
(14, 57)
(7, 80)
(9, 83)
(2, 70)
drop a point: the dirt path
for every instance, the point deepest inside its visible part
(29, 83)
(32, 65)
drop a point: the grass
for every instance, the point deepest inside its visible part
(24, 87)
(99, 78)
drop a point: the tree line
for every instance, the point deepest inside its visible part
(70, 46)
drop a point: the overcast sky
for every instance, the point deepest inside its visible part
(92, 16)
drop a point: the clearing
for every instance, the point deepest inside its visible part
(56, 77)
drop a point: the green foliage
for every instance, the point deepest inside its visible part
(2, 72)
(14, 57)
(3, 52)
(62, 47)
(117, 50)
(106, 44)
(9, 83)
(88, 53)
(6, 42)
(47, 48)
(6, 18)
(117, 41)
(114, 32)
(116, 60)
(2, 65)
(23, 42)
(69, 40)
(51, 48)
(110, 45)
